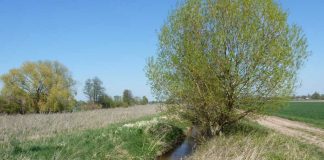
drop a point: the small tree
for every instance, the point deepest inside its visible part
(118, 101)
(106, 101)
(137, 100)
(88, 90)
(128, 97)
(316, 96)
(94, 89)
(220, 60)
(144, 100)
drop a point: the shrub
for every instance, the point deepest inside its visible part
(90, 106)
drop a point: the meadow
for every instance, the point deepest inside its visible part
(138, 132)
(308, 112)
(143, 138)
(142, 132)
(34, 126)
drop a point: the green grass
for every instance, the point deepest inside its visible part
(309, 112)
(249, 140)
(113, 142)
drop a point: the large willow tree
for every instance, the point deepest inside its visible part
(219, 60)
(42, 86)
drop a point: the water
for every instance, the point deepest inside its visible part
(183, 150)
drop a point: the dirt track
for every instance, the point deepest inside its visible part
(299, 130)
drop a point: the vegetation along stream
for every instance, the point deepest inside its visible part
(184, 149)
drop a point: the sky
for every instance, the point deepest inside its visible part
(112, 39)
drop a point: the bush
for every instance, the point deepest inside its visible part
(11, 107)
(106, 102)
(90, 106)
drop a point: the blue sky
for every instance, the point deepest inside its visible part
(111, 39)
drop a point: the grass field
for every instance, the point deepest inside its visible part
(309, 112)
(144, 138)
(141, 132)
(249, 140)
(34, 126)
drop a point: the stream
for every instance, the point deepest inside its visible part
(182, 150)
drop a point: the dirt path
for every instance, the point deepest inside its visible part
(299, 130)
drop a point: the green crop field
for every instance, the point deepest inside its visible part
(309, 112)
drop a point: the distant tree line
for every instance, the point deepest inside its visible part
(48, 87)
(314, 96)
(95, 92)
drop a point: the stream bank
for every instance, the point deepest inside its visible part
(184, 149)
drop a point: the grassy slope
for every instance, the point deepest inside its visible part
(112, 142)
(309, 112)
(249, 140)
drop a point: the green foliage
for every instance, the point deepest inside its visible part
(128, 97)
(106, 101)
(144, 100)
(137, 100)
(42, 86)
(96, 95)
(90, 106)
(7, 107)
(216, 57)
(140, 101)
(316, 96)
(309, 112)
(94, 90)
(78, 105)
(2, 105)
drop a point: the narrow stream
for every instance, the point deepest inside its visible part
(183, 150)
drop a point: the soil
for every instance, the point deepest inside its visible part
(301, 131)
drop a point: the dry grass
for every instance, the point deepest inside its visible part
(142, 138)
(33, 126)
(255, 143)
